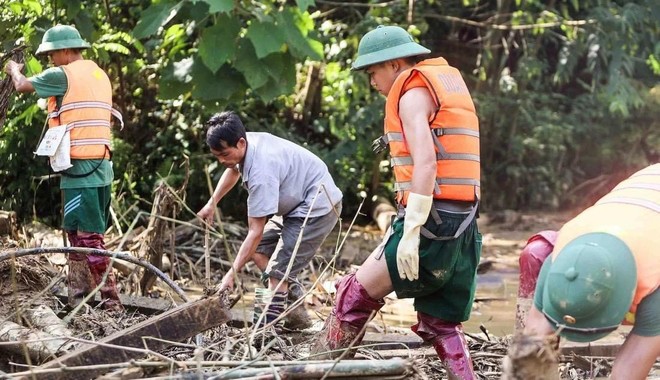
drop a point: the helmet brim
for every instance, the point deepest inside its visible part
(409, 49)
(45, 47)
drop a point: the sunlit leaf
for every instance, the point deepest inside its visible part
(154, 17)
(176, 79)
(266, 37)
(301, 46)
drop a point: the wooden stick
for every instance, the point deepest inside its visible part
(207, 255)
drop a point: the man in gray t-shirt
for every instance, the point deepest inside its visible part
(286, 184)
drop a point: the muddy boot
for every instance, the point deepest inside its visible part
(449, 342)
(344, 326)
(98, 265)
(79, 280)
(109, 294)
(297, 318)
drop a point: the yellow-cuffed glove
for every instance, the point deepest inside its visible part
(407, 253)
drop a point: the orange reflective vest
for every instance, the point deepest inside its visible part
(631, 212)
(86, 109)
(455, 128)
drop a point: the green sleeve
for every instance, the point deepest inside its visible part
(540, 283)
(647, 316)
(50, 82)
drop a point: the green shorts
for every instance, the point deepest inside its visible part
(447, 268)
(86, 209)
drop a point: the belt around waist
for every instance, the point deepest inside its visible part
(452, 206)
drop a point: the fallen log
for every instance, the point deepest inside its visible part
(141, 304)
(350, 369)
(44, 318)
(153, 334)
(38, 345)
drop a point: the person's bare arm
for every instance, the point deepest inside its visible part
(636, 357)
(247, 250)
(21, 83)
(227, 181)
(415, 108)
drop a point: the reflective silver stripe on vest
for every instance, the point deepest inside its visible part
(85, 104)
(407, 160)
(84, 142)
(398, 136)
(392, 136)
(403, 186)
(117, 114)
(455, 131)
(88, 123)
(632, 201)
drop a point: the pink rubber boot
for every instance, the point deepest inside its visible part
(449, 342)
(98, 265)
(353, 309)
(538, 248)
(79, 280)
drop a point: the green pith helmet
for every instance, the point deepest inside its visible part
(590, 287)
(385, 43)
(61, 37)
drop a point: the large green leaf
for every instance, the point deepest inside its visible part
(218, 42)
(221, 85)
(282, 77)
(176, 79)
(266, 37)
(295, 27)
(250, 66)
(154, 17)
(224, 6)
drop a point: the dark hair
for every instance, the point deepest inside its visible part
(225, 126)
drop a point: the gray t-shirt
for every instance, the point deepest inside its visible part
(283, 178)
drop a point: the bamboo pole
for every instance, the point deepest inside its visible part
(347, 369)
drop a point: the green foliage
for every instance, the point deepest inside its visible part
(565, 93)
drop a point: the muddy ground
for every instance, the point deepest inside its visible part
(32, 281)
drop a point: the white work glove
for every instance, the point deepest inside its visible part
(407, 253)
